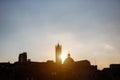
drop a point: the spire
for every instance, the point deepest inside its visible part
(68, 54)
(58, 44)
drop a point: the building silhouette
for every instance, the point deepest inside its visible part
(25, 69)
(58, 52)
(23, 57)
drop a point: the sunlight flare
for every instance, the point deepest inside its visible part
(63, 56)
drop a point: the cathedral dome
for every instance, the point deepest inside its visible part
(68, 60)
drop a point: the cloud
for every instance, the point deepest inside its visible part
(108, 47)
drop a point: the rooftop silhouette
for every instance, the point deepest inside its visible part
(25, 69)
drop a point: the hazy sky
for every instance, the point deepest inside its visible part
(88, 29)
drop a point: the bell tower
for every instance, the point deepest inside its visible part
(58, 50)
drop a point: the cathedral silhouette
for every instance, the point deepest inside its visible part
(25, 69)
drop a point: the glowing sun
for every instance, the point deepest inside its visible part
(63, 56)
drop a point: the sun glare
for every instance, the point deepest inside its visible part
(63, 56)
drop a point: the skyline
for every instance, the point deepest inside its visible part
(87, 29)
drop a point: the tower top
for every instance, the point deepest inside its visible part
(58, 45)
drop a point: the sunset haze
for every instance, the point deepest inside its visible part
(88, 29)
